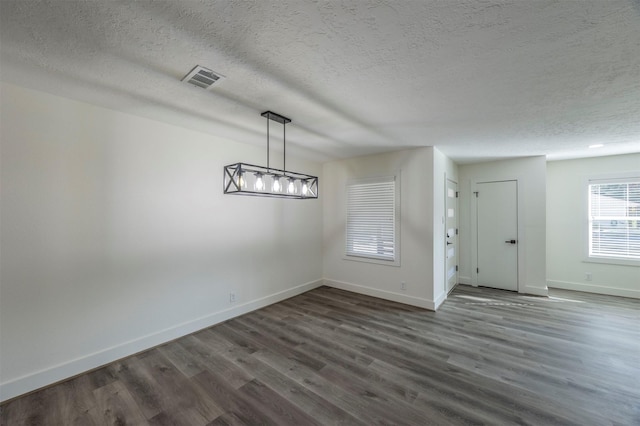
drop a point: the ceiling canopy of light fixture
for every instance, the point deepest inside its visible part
(261, 181)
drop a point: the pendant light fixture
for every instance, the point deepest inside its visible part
(260, 181)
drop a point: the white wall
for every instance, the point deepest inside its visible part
(567, 224)
(416, 167)
(115, 237)
(530, 173)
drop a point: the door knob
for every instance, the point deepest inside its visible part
(510, 241)
(448, 243)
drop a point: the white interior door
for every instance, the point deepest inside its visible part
(451, 266)
(497, 219)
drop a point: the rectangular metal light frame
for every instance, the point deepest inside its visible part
(260, 181)
(240, 179)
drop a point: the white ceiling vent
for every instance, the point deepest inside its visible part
(202, 77)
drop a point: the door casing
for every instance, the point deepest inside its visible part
(451, 235)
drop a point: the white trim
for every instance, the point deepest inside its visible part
(589, 288)
(457, 225)
(613, 177)
(535, 291)
(464, 280)
(366, 259)
(383, 294)
(601, 178)
(611, 260)
(440, 299)
(57, 373)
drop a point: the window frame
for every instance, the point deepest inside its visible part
(396, 250)
(626, 177)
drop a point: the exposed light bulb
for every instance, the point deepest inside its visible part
(259, 182)
(305, 188)
(242, 181)
(292, 188)
(276, 183)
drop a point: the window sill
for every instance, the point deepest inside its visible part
(613, 261)
(371, 260)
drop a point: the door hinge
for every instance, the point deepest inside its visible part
(477, 270)
(456, 268)
(457, 194)
(456, 231)
(476, 192)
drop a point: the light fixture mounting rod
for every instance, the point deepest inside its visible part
(276, 117)
(270, 115)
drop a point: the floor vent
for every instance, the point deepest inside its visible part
(202, 77)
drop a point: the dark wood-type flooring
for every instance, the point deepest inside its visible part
(333, 357)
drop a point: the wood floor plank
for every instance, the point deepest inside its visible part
(177, 392)
(76, 401)
(368, 410)
(181, 358)
(236, 405)
(332, 357)
(276, 406)
(139, 382)
(317, 406)
(280, 346)
(116, 406)
(322, 342)
(212, 361)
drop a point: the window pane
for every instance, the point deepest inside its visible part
(371, 219)
(614, 220)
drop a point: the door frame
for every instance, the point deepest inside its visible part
(521, 229)
(457, 220)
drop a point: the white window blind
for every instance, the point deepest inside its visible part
(614, 219)
(371, 219)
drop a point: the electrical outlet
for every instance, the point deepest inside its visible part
(403, 286)
(232, 297)
(588, 276)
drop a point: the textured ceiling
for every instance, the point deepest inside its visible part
(479, 79)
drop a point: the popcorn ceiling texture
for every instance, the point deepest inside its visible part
(479, 79)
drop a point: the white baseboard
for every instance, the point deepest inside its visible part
(536, 291)
(439, 300)
(589, 288)
(383, 294)
(39, 379)
(464, 280)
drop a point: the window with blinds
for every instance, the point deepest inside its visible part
(614, 219)
(372, 219)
